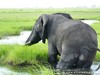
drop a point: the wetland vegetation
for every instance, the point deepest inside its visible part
(13, 21)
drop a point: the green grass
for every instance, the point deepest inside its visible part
(16, 54)
(96, 26)
(32, 59)
(13, 21)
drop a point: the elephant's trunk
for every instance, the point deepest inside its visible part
(33, 38)
(28, 43)
(29, 40)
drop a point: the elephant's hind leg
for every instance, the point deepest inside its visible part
(86, 59)
(68, 60)
(84, 64)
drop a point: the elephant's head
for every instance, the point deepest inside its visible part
(39, 31)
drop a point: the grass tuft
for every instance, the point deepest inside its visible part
(27, 55)
(96, 26)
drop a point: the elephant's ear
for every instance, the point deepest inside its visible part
(43, 20)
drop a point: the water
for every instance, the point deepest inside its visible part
(6, 71)
(20, 39)
(89, 21)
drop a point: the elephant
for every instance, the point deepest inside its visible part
(64, 14)
(74, 41)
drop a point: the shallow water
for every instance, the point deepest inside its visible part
(19, 39)
(6, 71)
(89, 21)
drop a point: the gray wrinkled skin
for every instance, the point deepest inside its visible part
(73, 40)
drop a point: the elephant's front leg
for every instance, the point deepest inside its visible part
(52, 55)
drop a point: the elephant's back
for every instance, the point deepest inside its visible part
(92, 35)
(79, 34)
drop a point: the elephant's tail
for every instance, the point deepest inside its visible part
(98, 68)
